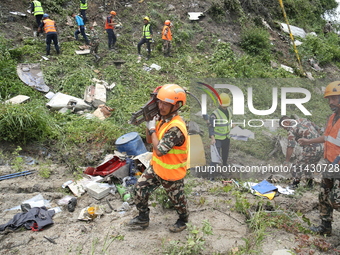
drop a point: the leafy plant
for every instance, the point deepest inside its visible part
(17, 163)
(195, 241)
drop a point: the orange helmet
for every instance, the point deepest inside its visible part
(172, 93)
(167, 22)
(113, 13)
(332, 89)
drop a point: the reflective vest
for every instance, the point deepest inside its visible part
(173, 165)
(332, 139)
(107, 26)
(83, 6)
(49, 26)
(222, 124)
(168, 36)
(146, 31)
(38, 10)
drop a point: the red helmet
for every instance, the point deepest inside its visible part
(167, 22)
(172, 93)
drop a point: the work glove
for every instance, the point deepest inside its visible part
(151, 124)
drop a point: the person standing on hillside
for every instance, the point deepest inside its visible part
(81, 28)
(50, 29)
(94, 43)
(327, 28)
(219, 128)
(37, 11)
(168, 166)
(329, 196)
(83, 8)
(167, 38)
(302, 128)
(109, 27)
(147, 37)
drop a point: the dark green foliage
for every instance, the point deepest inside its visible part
(255, 41)
(26, 122)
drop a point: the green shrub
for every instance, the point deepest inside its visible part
(255, 41)
(26, 122)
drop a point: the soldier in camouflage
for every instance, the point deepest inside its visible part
(329, 197)
(311, 154)
(94, 43)
(169, 139)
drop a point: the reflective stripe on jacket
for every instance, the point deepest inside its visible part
(49, 26)
(332, 139)
(146, 31)
(173, 165)
(222, 124)
(38, 10)
(166, 35)
(109, 20)
(83, 6)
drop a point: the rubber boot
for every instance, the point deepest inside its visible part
(324, 229)
(180, 224)
(309, 183)
(142, 220)
(295, 183)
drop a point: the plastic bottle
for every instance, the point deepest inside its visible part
(123, 193)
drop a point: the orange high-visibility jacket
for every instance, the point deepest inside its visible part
(332, 139)
(173, 165)
(49, 26)
(166, 36)
(109, 19)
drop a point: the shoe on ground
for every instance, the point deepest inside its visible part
(25, 207)
(72, 204)
(179, 226)
(325, 228)
(142, 220)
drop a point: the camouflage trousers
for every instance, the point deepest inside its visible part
(329, 196)
(166, 46)
(307, 162)
(150, 181)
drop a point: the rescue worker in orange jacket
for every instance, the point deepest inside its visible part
(329, 197)
(168, 166)
(109, 27)
(167, 38)
(50, 29)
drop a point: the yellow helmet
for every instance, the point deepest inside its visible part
(225, 99)
(147, 18)
(332, 89)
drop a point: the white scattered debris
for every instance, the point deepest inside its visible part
(45, 58)
(18, 14)
(195, 15)
(297, 42)
(287, 68)
(17, 99)
(238, 133)
(83, 52)
(49, 95)
(296, 31)
(61, 100)
(157, 67)
(27, 28)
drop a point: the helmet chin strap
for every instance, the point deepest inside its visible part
(171, 110)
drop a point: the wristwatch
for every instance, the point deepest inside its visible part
(152, 131)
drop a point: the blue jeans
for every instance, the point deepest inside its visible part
(82, 32)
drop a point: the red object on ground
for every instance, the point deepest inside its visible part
(106, 168)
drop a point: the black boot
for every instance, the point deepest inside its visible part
(309, 183)
(324, 229)
(180, 224)
(295, 183)
(142, 220)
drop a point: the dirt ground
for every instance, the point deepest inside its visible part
(73, 236)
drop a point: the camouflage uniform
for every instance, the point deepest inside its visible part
(94, 43)
(311, 154)
(150, 181)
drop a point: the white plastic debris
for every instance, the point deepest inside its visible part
(195, 15)
(296, 31)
